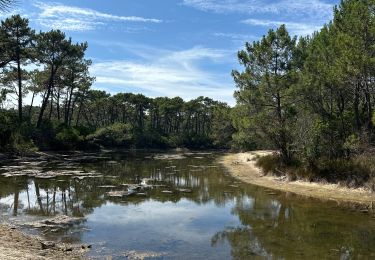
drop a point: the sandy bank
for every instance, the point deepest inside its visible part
(242, 166)
(16, 245)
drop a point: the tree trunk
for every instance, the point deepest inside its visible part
(19, 75)
(46, 98)
(15, 202)
(356, 108)
(368, 108)
(31, 105)
(58, 104)
(69, 105)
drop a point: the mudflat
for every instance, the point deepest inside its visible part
(17, 245)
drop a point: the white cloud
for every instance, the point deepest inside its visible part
(311, 8)
(175, 73)
(236, 36)
(300, 29)
(70, 18)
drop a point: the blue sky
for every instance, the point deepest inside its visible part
(171, 48)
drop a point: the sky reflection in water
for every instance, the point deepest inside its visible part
(220, 218)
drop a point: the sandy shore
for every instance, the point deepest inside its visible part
(16, 245)
(242, 166)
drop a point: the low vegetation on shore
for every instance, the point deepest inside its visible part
(262, 168)
(355, 172)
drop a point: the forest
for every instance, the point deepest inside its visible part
(311, 98)
(72, 115)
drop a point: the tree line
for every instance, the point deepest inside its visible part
(311, 98)
(50, 67)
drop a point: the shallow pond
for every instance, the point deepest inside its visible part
(182, 206)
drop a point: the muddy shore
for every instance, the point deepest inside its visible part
(242, 166)
(17, 245)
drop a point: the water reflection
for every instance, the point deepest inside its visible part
(204, 214)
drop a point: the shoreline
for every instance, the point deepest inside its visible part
(15, 244)
(242, 166)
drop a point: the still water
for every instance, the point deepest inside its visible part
(183, 207)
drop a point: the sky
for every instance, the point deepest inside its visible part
(171, 48)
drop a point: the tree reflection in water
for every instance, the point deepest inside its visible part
(265, 226)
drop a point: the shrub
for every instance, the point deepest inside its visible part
(44, 136)
(352, 173)
(7, 127)
(53, 135)
(269, 163)
(67, 138)
(117, 134)
(195, 141)
(19, 145)
(242, 141)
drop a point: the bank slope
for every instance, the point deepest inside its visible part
(242, 166)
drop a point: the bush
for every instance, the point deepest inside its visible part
(67, 138)
(195, 141)
(15, 138)
(269, 163)
(57, 136)
(150, 139)
(352, 173)
(243, 141)
(44, 136)
(8, 126)
(20, 145)
(117, 134)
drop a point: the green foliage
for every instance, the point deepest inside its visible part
(311, 99)
(17, 42)
(243, 141)
(7, 126)
(67, 137)
(19, 145)
(70, 110)
(222, 127)
(265, 88)
(53, 135)
(269, 163)
(353, 173)
(325, 96)
(352, 144)
(14, 138)
(117, 134)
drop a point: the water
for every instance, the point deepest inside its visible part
(208, 215)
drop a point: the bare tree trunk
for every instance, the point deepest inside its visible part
(46, 98)
(31, 105)
(58, 104)
(19, 75)
(15, 202)
(356, 108)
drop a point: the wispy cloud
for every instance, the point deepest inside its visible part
(302, 8)
(71, 18)
(17, 10)
(175, 73)
(236, 36)
(300, 29)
